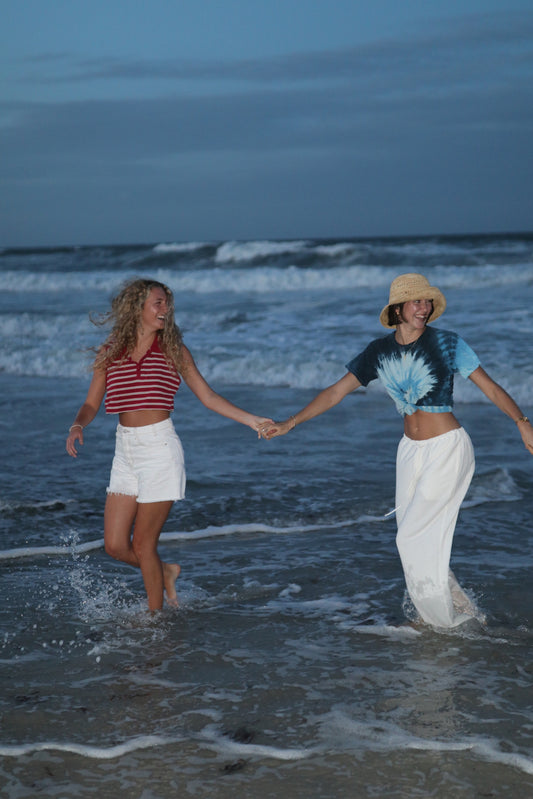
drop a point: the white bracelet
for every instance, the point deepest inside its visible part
(71, 428)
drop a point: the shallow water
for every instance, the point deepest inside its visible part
(291, 667)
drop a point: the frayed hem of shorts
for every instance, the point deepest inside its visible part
(119, 494)
(166, 499)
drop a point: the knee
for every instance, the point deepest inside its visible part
(115, 551)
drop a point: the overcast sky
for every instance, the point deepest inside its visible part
(197, 120)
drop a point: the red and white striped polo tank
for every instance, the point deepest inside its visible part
(136, 386)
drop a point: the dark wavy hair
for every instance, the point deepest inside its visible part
(396, 311)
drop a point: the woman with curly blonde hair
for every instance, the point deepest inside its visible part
(139, 369)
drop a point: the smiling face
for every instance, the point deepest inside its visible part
(154, 310)
(415, 313)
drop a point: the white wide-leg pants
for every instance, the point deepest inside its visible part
(432, 478)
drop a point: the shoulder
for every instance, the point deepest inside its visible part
(186, 353)
(446, 338)
(364, 366)
(377, 347)
(382, 344)
(440, 331)
(187, 361)
(456, 352)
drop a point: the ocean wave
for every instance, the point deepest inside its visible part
(76, 548)
(301, 367)
(263, 279)
(242, 251)
(26, 280)
(338, 729)
(31, 507)
(496, 486)
(61, 550)
(185, 247)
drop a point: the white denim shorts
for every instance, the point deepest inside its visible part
(148, 463)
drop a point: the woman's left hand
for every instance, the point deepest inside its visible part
(74, 434)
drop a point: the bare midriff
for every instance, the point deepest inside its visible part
(421, 425)
(142, 418)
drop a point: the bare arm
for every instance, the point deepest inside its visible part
(87, 412)
(328, 398)
(505, 403)
(201, 388)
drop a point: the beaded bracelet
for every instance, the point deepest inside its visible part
(521, 419)
(75, 425)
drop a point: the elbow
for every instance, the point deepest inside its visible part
(210, 400)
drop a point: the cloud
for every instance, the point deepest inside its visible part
(464, 46)
(429, 132)
(358, 97)
(90, 132)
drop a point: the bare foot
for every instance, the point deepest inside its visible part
(171, 573)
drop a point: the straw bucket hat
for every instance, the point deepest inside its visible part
(413, 287)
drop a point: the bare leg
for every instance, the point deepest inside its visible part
(149, 522)
(171, 572)
(121, 513)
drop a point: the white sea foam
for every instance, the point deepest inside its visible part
(386, 736)
(496, 486)
(91, 752)
(337, 250)
(265, 278)
(239, 529)
(241, 251)
(225, 744)
(183, 247)
(210, 736)
(401, 633)
(327, 606)
(37, 552)
(211, 531)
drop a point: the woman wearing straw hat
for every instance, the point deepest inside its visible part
(435, 459)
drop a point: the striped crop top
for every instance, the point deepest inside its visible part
(136, 386)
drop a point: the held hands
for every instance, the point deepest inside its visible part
(275, 429)
(259, 423)
(75, 434)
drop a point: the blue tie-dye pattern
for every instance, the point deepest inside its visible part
(407, 379)
(446, 344)
(420, 376)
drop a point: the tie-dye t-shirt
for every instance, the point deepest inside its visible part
(417, 375)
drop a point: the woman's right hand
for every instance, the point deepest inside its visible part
(75, 434)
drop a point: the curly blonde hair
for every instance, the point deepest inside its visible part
(125, 316)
